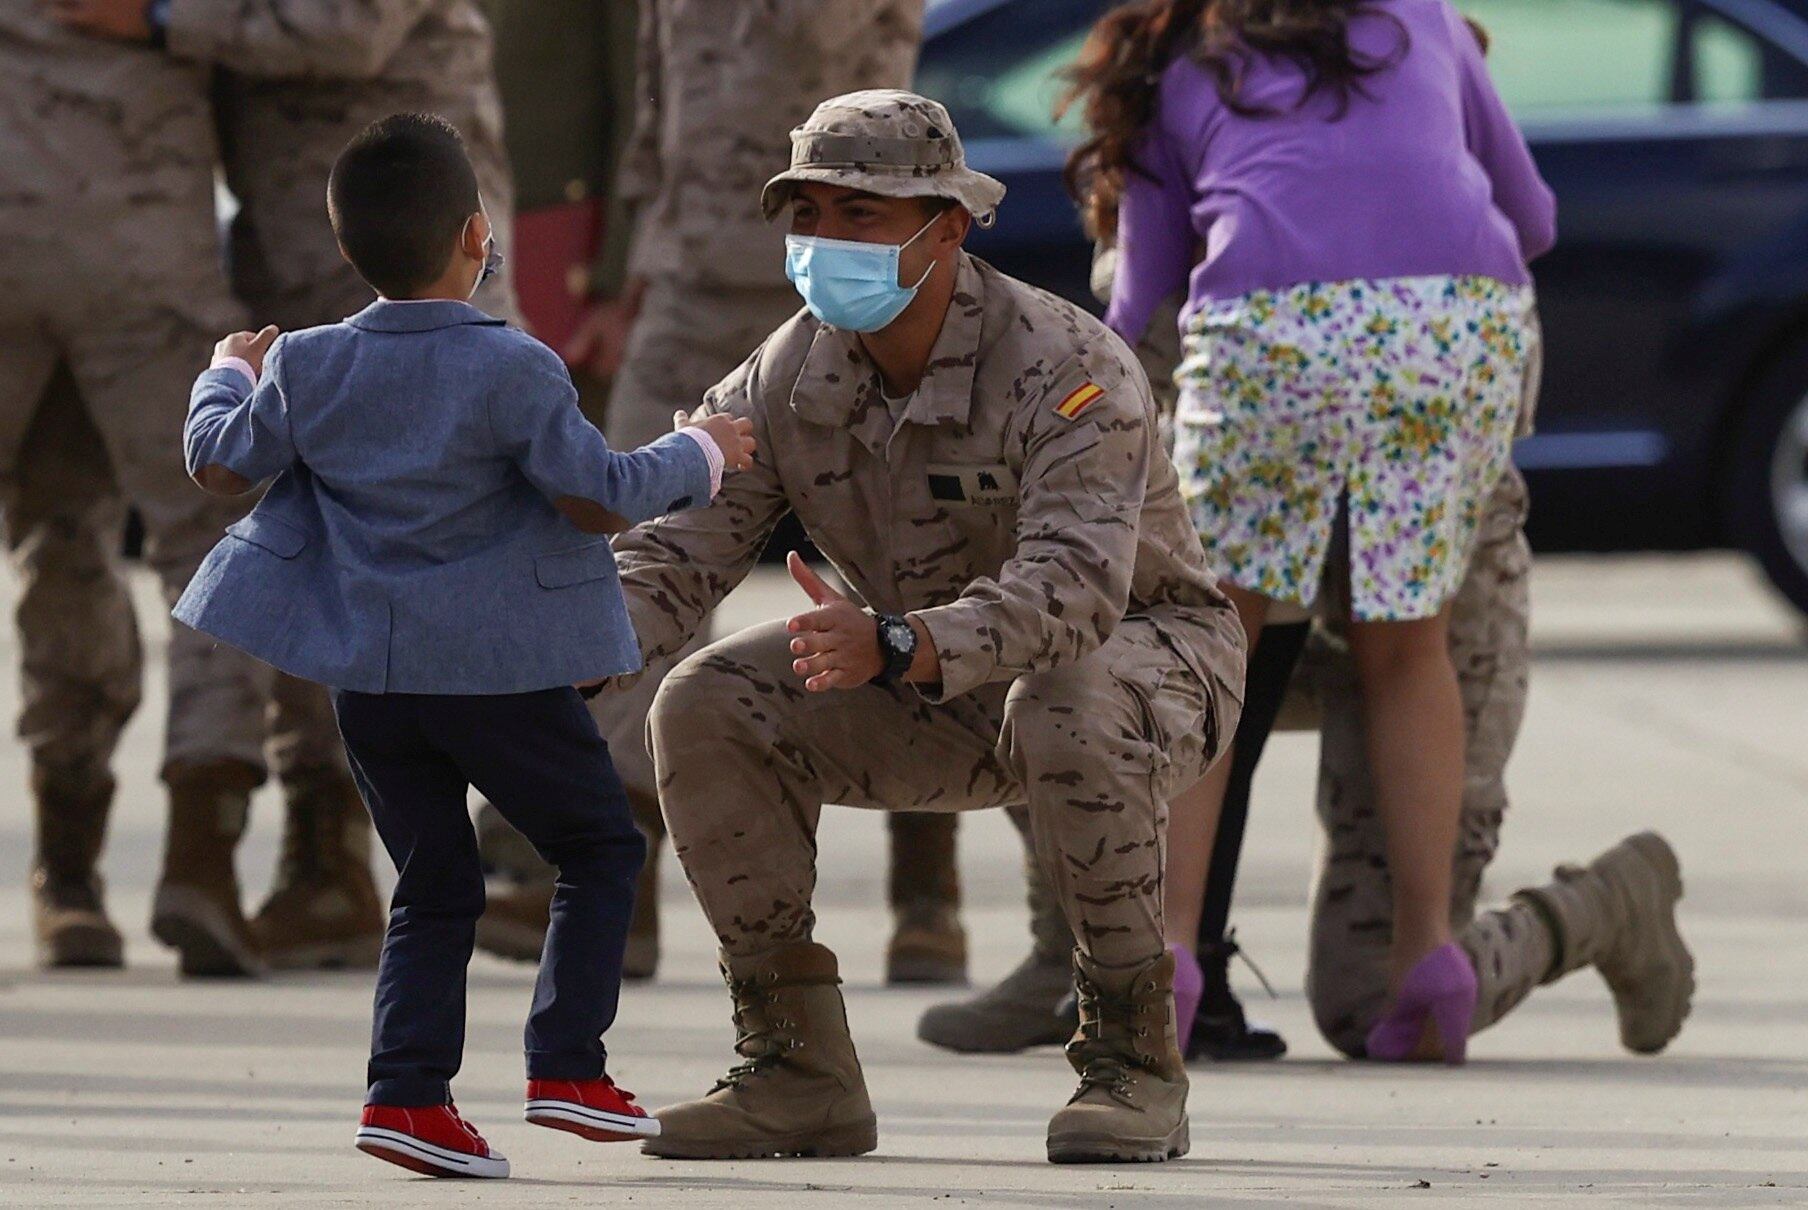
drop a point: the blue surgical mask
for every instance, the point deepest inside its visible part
(850, 284)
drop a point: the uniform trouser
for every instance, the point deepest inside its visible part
(1352, 900)
(746, 758)
(132, 369)
(539, 759)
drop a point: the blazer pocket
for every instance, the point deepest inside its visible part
(579, 565)
(273, 534)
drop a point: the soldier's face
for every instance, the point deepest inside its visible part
(832, 212)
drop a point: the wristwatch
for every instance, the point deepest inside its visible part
(898, 646)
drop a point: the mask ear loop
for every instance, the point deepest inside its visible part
(913, 239)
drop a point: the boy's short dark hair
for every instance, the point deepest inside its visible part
(399, 197)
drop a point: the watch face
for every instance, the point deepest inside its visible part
(899, 636)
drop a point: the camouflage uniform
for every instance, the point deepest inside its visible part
(686, 223)
(305, 76)
(1014, 533)
(107, 160)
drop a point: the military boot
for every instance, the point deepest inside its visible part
(518, 886)
(1031, 1006)
(1131, 1103)
(323, 912)
(196, 911)
(928, 944)
(1618, 914)
(799, 1089)
(68, 916)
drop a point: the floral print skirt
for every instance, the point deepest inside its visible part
(1388, 404)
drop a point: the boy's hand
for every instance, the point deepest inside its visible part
(123, 19)
(732, 435)
(249, 347)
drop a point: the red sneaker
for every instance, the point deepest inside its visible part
(595, 1109)
(431, 1139)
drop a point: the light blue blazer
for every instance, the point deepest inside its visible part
(410, 543)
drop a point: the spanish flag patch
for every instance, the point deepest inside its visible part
(1078, 400)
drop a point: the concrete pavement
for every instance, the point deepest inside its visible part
(1668, 692)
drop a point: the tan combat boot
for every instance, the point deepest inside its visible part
(196, 911)
(928, 944)
(1618, 914)
(800, 1090)
(1025, 1008)
(323, 912)
(1131, 1103)
(68, 916)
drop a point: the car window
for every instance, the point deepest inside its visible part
(1579, 54)
(1730, 65)
(1004, 90)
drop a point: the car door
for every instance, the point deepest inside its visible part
(1657, 123)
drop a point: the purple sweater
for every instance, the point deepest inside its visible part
(1424, 175)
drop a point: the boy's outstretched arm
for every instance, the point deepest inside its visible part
(537, 423)
(237, 433)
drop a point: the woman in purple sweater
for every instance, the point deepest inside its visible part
(1340, 193)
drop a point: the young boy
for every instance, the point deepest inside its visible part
(423, 552)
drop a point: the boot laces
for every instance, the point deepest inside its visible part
(1233, 950)
(1106, 1046)
(760, 1039)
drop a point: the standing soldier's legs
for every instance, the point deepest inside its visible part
(928, 944)
(80, 655)
(687, 338)
(1617, 915)
(135, 371)
(746, 758)
(323, 910)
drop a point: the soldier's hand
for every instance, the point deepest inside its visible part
(837, 642)
(733, 436)
(248, 346)
(123, 19)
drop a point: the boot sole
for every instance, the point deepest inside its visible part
(202, 935)
(1106, 1149)
(357, 953)
(1662, 858)
(81, 946)
(856, 1138)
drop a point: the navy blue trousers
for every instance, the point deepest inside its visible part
(539, 759)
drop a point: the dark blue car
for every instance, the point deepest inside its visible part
(1675, 133)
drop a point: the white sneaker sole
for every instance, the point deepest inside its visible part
(420, 1156)
(597, 1124)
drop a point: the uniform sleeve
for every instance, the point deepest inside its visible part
(1496, 142)
(1155, 239)
(676, 570)
(536, 422)
(1065, 588)
(347, 39)
(235, 425)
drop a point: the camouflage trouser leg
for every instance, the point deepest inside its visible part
(746, 758)
(81, 660)
(135, 369)
(1352, 902)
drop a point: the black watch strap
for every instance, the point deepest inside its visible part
(157, 19)
(898, 646)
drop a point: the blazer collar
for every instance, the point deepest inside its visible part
(838, 384)
(386, 316)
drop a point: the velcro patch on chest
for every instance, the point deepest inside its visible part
(1078, 400)
(979, 485)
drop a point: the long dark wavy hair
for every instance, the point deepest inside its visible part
(1118, 73)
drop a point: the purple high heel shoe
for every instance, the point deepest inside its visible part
(1189, 985)
(1441, 988)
